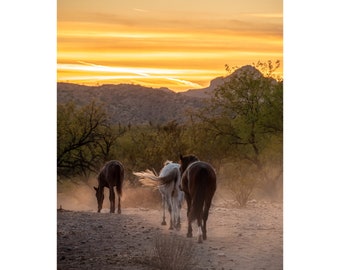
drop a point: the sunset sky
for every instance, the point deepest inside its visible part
(176, 44)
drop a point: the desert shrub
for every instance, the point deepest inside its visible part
(242, 179)
(172, 253)
(242, 191)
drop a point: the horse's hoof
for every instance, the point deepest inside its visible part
(189, 235)
(204, 237)
(163, 223)
(200, 240)
(171, 228)
(119, 211)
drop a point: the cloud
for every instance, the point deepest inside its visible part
(121, 73)
(184, 82)
(140, 10)
(266, 15)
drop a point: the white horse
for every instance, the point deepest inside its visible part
(168, 183)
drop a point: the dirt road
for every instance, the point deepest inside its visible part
(238, 238)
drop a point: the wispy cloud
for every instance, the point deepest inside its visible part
(140, 10)
(184, 82)
(266, 15)
(121, 73)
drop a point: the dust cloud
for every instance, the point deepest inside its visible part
(78, 195)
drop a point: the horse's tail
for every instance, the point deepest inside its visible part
(148, 178)
(198, 195)
(120, 180)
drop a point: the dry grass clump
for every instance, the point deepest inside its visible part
(172, 252)
(242, 180)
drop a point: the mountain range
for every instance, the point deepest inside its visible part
(136, 104)
(132, 104)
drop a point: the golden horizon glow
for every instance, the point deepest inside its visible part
(182, 45)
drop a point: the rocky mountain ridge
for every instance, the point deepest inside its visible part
(136, 104)
(132, 104)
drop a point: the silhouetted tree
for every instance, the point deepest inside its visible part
(84, 138)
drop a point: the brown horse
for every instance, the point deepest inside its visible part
(112, 174)
(199, 186)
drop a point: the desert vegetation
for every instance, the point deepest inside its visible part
(239, 130)
(170, 253)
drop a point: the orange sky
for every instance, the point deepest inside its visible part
(176, 44)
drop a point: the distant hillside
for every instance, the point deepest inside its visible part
(205, 92)
(135, 104)
(219, 81)
(132, 104)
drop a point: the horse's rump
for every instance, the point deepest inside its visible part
(171, 177)
(201, 184)
(112, 175)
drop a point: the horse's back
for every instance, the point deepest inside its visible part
(113, 163)
(201, 173)
(113, 166)
(112, 173)
(170, 175)
(169, 166)
(201, 168)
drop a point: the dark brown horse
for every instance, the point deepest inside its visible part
(199, 186)
(110, 176)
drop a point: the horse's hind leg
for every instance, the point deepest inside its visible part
(112, 200)
(205, 218)
(119, 210)
(163, 206)
(188, 199)
(199, 231)
(175, 213)
(189, 233)
(178, 222)
(179, 207)
(171, 213)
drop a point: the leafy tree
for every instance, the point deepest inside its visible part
(244, 102)
(170, 138)
(148, 146)
(245, 118)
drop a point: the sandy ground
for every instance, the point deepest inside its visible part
(238, 238)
